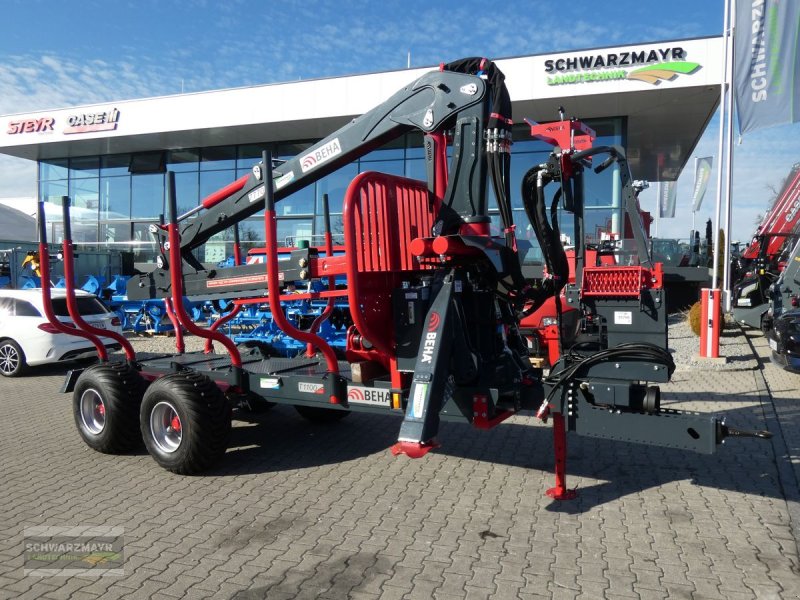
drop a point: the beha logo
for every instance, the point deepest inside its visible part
(662, 64)
(321, 155)
(430, 338)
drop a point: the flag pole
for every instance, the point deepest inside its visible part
(658, 208)
(694, 210)
(721, 145)
(710, 298)
(726, 283)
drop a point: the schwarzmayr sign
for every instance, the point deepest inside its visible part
(661, 64)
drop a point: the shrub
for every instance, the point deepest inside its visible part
(694, 317)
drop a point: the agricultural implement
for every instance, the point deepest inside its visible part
(435, 298)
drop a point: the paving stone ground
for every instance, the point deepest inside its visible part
(304, 511)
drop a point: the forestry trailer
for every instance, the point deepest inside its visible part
(435, 298)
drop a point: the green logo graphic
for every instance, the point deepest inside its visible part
(655, 74)
(99, 558)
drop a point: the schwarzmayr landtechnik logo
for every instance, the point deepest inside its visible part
(661, 64)
(80, 550)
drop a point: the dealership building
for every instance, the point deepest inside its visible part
(653, 99)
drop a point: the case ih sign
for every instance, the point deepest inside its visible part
(90, 122)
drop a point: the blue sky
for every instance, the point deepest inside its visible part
(63, 53)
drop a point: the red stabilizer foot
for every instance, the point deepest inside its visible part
(414, 449)
(557, 493)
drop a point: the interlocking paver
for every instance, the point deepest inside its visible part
(301, 511)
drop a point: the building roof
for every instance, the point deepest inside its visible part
(16, 225)
(667, 90)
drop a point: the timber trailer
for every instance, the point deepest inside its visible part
(435, 299)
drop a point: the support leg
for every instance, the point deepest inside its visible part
(560, 491)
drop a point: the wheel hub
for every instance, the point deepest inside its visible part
(93, 411)
(9, 359)
(165, 427)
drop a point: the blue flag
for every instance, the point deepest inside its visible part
(767, 63)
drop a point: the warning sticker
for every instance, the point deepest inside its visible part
(418, 401)
(623, 317)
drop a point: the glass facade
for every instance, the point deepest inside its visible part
(113, 205)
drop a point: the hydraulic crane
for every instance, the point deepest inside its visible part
(434, 296)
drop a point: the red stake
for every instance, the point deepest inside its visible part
(560, 491)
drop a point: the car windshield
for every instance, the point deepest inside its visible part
(86, 306)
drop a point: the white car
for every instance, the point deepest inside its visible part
(27, 338)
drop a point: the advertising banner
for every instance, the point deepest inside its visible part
(767, 63)
(702, 173)
(667, 190)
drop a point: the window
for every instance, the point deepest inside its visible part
(86, 306)
(88, 166)
(148, 162)
(292, 230)
(181, 161)
(115, 197)
(187, 191)
(416, 169)
(51, 191)
(147, 196)
(116, 164)
(337, 230)
(393, 150)
(115, 232)
(52, 170)
(218, 158)
(335, 186)
(213, 181)
(249, 155)
(23, 308)
(414, 143)
(390, 167)
(84, 194)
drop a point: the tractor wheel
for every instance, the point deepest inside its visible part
(105, 405)
(185, 422)
(317, 414)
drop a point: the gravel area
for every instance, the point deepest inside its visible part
(683, 344)
(734, 350)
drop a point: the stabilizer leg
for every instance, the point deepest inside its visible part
(560, 491)
(421, 423)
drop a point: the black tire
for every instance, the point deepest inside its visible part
(105, 405)
(199, 437)
(317, 414)
(12, 359)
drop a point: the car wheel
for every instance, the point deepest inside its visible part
(185, 422)
(105, 405)
(12, 359)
